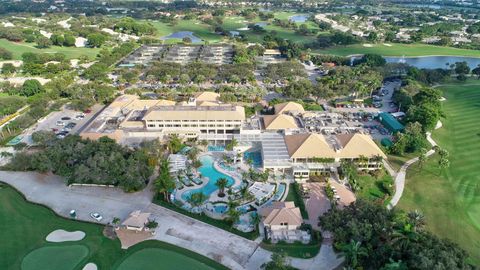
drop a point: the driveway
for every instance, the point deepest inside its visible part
(318, 203)
(226, 248)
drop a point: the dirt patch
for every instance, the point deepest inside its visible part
(109, 232)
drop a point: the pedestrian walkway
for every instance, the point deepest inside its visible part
(400, 176)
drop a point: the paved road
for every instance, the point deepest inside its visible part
(229, 249)
(400, 176)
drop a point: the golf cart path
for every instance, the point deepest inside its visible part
(400, 175)
(229, 249)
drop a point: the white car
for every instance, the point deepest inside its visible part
(60, 123)
(96, 216)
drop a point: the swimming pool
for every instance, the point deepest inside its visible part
(207, 170)
(220, 208)
(216, 148)
(255, 156)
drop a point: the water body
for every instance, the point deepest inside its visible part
(433, 62)
(234, 33)
(299, 18)
(181, 35)
(424, 6)
(261, 24)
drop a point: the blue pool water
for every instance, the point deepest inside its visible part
(207, 170)
(220, 208)
(181, 35)
(216, 148)
(261, 24)
(299, 18)
(255, 156)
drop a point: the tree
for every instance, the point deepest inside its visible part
(57, 39)
(422, 158)
(69, 40)
(221, 184)
(416, 219)
(476, 71)
(43, 42)
(462, 68)
(372, 60)
(31, 87)
(151, 224)
(8, 68)
(164, 184)
(352, 252)
(5, 54)
(187, 40)
(96, 40)
(231, 145)
(197, 199)
(174, 144)
(443, 162)
(279, 261)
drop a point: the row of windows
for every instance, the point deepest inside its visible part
(194, 126)
(194, 121)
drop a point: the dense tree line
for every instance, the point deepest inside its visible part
(87, 162)
(372, 237)
(10, 104)
(199, 72)
(131, 26)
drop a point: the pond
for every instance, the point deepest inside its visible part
(433, 62)
(181, 35)
(299, 18)
(261, 24)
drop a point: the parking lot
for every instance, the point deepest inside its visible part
(64, 122)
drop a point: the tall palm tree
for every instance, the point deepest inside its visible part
(416, 219)
(221, 184)
(353, 251)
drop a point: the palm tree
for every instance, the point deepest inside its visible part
(233, 215)
(416, 219)
(352, 252)
(196, 199)
(255, 219)
(221, 184)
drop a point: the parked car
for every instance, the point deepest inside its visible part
(70, 126)
(96, 216)
(66, 118)
(60, 123)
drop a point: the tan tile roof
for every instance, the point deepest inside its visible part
(206, 96)
(359, 145)
(288, 107)
(281, 212)
(310, 145)
(281, 121)
(136, 219)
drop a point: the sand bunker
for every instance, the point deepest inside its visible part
(386, 44)
(90, 266)
(64, 236)
(367, 45)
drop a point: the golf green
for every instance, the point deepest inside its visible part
(55, 258)
(160, 259)
(450, 198)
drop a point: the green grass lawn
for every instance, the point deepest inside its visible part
(149, 258)
(399, 50)
(62, 257)
(297, 250)
(450, 199)
(371, 187)
(17, 48)
(295, 196)
(24, 226)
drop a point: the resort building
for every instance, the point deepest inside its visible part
(313, 153)
(129, 119)
(281, 221)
